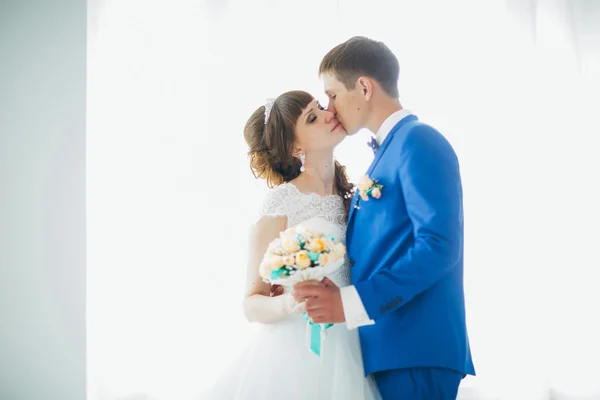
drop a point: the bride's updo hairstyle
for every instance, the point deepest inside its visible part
(272, 144)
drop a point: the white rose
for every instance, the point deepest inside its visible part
(275, 262)
(324, 259)
(315, 245)
(290, 244)
(364, 183)
(289, 260)
(376, 193)
(339, 251)
(275, 247)
(328, 243)
(302, 259)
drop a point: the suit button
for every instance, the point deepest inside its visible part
(351, 262)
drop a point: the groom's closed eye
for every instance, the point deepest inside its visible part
(331, 101)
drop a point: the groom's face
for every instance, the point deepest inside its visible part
(344, 103)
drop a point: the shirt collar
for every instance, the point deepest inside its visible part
(389, 123)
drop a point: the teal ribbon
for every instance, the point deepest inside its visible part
(315, 334)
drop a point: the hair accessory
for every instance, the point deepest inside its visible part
(268, 108)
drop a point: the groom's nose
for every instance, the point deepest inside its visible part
(329, 115)
(331, 109)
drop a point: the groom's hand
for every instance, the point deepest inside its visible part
(323, 301)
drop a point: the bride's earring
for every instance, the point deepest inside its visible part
(302, 160)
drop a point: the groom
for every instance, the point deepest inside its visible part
(405, 241)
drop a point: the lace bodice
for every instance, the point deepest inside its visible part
(286, 200)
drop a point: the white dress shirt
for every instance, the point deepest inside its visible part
(354, 309)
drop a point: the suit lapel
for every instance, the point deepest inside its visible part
(387, 141)
(378, 156)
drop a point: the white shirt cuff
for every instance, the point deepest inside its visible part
(354, 310)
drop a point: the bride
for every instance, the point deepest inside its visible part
(291, 141)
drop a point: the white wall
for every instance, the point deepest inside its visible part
(42, 199)
(170, 194)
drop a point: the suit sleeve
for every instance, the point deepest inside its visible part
(431, 186)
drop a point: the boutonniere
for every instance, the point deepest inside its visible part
(368, 187)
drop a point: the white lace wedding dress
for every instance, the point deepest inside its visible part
(277, 364)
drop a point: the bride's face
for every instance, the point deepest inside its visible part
(317, 129)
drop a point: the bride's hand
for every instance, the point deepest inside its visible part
(292, 306)
(276, 290)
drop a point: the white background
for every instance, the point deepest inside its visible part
(170, 195)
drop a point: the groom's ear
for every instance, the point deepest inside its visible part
(365, 85)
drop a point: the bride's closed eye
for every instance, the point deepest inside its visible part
(313, 117)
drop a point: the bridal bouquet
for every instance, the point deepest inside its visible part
(300, 254)
(304, 252)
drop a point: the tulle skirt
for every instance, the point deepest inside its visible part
(278, 365)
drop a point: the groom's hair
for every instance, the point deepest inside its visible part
(361, 56)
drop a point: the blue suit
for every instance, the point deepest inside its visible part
(406, 257)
